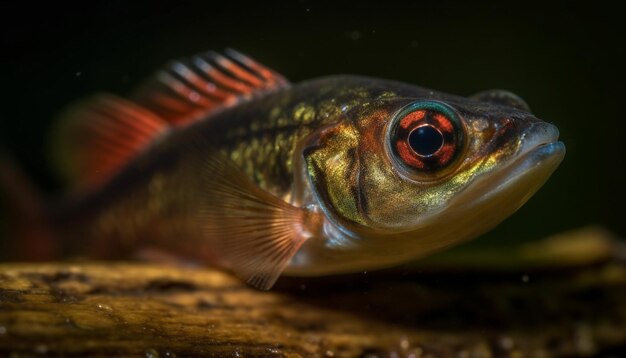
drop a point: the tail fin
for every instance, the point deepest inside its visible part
(29, 235)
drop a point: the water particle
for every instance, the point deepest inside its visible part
(329, 353)
(355, 35)
(152, 353)
(525, 278)
(414, 43)
(506, 343)
(104, 307)
(308, 10)
(41, 349)
(416, 353)
(78, 73)
(404, 343)
(302, 287)
(3, 330)
(584, 338)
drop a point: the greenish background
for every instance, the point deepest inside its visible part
(566, 61)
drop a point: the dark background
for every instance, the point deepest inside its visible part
(566, 62)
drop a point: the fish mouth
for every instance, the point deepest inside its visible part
(497, 194)
(538, 156)
(552, 151)
(501, 192)
(531, 170)
(538, 136)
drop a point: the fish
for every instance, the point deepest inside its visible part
(220, 160)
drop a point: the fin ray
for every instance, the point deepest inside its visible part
(188, 89)
(252, 231)
(99, 135)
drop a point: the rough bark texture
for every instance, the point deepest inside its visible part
(135, 309)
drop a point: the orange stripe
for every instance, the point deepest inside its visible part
(239, 72)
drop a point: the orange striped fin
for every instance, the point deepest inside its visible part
(98, 136)
(189, 89)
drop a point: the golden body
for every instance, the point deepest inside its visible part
(309, 179)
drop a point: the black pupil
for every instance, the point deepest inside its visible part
(425, 140)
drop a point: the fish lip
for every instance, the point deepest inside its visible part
(539, 143)
(552, 150)
(541, 151)
(540, 146)
(538, 135)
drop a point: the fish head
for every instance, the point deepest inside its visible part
(431, 169)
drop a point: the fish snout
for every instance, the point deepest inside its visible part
(539, 133)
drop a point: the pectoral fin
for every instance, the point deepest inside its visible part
(251, 231)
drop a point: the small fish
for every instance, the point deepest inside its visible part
(220, 160)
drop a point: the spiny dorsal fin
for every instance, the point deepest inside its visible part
(250, 230)
(189, 89)
(99, 135)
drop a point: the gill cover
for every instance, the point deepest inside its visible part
(332, 165)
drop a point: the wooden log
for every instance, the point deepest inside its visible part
(138, 309)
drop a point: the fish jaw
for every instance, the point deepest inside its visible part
(539, 156)
(510, 185)
(494, 196)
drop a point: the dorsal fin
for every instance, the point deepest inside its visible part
(99, 135)
(189, 89)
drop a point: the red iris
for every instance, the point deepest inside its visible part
(426, 140)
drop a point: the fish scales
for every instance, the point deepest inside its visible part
(219, 160)
(260, 136)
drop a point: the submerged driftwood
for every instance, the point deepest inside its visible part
(135, 309)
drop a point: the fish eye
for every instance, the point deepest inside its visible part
(426, 136)
(425, 140)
